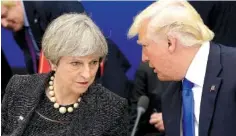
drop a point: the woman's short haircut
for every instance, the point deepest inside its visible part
(73, 34)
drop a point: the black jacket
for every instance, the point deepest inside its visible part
(101, 112)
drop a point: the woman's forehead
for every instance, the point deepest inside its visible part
(82, 58)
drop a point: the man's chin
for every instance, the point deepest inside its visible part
(16, 28)
(163, 78)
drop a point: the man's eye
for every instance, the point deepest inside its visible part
(144, 45)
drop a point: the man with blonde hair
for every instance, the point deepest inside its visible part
(201, 100)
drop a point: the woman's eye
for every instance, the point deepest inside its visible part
(95, 62)
(75, 63)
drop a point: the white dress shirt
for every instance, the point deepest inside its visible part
(196, 74)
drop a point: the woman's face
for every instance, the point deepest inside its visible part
(76, 74)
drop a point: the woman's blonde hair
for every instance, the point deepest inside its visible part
(73, 34)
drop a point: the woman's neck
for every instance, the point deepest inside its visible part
(63, 95)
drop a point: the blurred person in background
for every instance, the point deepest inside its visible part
(184, 38)
(220, 17)
(146, 83)
(67, 100)
(28, 21)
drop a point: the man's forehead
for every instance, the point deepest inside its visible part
(142, 32)
(141, 40)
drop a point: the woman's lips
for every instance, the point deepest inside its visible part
(83, 83)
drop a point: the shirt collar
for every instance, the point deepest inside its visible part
(197, 69)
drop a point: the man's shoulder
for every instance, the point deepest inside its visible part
(59, 7)
(227, 61)
(227, 50)
(50, 4)
(228, 55)
(52, 9)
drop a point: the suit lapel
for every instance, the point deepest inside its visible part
(31, 102)
(171, 108)
(211, 88)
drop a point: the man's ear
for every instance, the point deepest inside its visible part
(171, 43)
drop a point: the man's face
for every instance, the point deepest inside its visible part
(158, 54)
(12, 17)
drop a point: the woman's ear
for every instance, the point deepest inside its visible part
(53, 66)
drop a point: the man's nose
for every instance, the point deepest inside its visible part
(144, 57)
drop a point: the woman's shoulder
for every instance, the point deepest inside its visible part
(106, 96)
(21, 82)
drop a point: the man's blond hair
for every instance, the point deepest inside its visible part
(173, 16)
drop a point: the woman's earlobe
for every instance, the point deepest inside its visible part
(53, 66)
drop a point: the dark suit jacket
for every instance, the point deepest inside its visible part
(220, 17)
(146, 83)
(101, 112)
(41, 13)
(115, 68)
(6, 73)
(218, 107)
